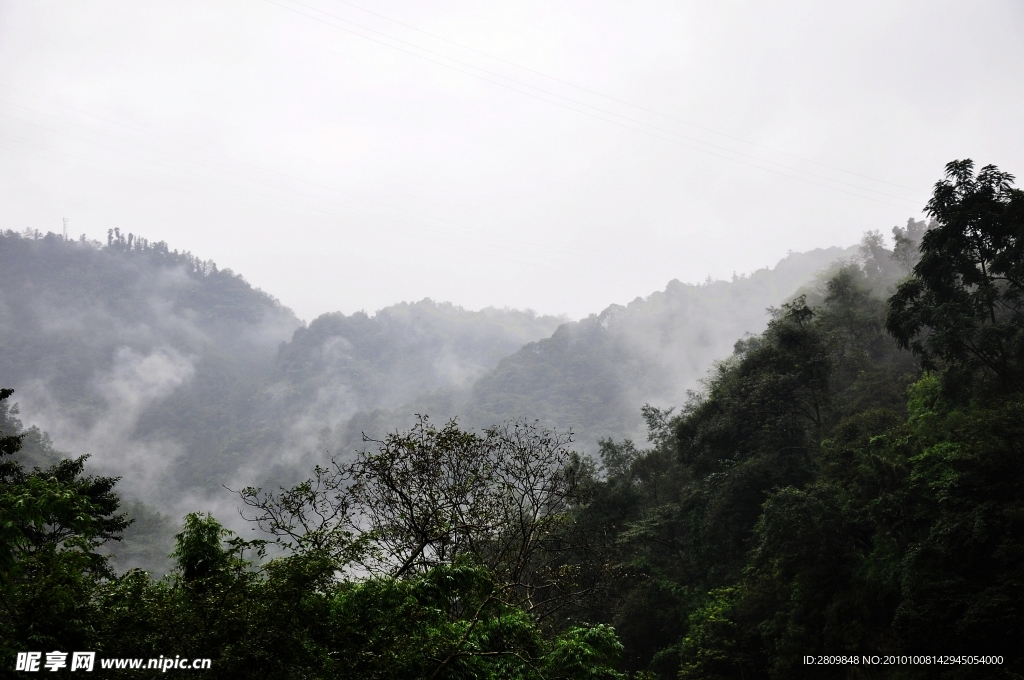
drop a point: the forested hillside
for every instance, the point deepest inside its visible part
(139, 355)
(181, 377)
(842, 497)
(340, 366)
(174, 374)
(592, 376)
(850, 483)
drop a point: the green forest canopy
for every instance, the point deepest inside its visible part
(850, 482)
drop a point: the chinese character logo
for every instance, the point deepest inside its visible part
(55, 660)
(28, 661)
(82, 661)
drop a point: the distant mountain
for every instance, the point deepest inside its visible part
(592, 376)
(182, 377)
(342, 364)
(132, 352)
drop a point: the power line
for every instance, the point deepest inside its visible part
(589, 106)
(616, 99)
(786, 169)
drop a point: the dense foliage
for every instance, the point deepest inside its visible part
(356, 587)
(823, 496)
(849, 483)
(180, 374)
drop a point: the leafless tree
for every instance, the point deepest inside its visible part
(431, 496)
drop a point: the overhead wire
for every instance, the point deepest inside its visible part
(589, 106)
(622, 101)
(594, 112)
(600, 117)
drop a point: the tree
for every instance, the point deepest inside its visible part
(431, 497)
(962, 580)
(748, 529)
(963, 308)
(198, 548)
(52, 521)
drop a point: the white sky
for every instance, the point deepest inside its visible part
(552, 155)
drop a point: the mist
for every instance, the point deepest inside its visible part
(549, 156)
(558, 212)
(560, 339)
(185, 381)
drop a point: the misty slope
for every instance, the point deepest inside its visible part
(131, 342)
(651, 350)
(593, 376)
(343, 364)
(182, 377)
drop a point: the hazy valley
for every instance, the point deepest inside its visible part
(183, 379)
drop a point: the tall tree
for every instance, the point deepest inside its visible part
(963, 308)
(52, 522)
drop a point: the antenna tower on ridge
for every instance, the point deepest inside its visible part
(65, 229)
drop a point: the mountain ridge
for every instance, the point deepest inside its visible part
(182, 377)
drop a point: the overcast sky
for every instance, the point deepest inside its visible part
(558, 156)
